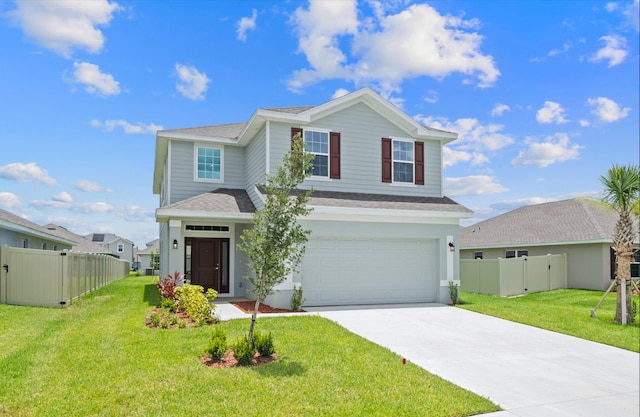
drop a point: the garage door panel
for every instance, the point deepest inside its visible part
(367, 271)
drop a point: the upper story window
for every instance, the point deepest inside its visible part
(317, 143)
(325, 147)
(120, 247)
(208, 166)
(402, 161)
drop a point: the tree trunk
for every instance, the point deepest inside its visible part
(254, 317)
(624, 274)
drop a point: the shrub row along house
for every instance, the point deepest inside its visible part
(382, 230)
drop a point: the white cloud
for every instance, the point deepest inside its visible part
(193, 83)
(472, 135)
(451, 157)
(632, 14)
(62, 25)
(128, 128)
(95, 81)
(387, 49)
(611, 6)
(584, 123)
(551, 112)
(607, 110)
(9, 200)
(246, 24)
(90, 186)
(556, 148)
(473, 185)
(63, 197)
(25, 173)
(615, 51)
(499, 109)
(431, 97)
(339, 93)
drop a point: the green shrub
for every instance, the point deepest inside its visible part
(453, 292)
(192, 300)
(168, 304)
(296, 298)
(154, 319)
(243, 351)
(263, 343)
(217, 344)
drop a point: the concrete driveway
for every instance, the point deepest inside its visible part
(527, 371)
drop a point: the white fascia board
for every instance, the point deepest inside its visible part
(385, 216)
(32, 232)
(162, 215)
(200, 138)
(531, 245)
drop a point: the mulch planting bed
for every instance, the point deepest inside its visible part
(248, 306)
(229, 361)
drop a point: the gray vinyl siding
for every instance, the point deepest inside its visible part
(361, 130)
(182, 167)
(256, 165)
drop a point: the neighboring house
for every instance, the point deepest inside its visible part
(121, 247)
(18, 232)
(582, 228)
(81, 245)
(381, 229)
(145, 256)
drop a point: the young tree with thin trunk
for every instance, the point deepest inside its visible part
(275, 244)
(621, 193)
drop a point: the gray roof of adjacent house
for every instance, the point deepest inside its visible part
(152, 247)
(579, 220)
(105, 238)
(19, 224)
(82, 244)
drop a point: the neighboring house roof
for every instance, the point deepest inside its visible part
(82, 244)
(242, 133)
(105, 238)
(152, 247)
(19, 224)
(236, 203)
(579, 220)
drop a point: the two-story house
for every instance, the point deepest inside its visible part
(119, 246)
(381, 229)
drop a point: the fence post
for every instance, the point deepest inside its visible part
(3, 274)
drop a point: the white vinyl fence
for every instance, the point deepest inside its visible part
(513, 276)
(44, 278)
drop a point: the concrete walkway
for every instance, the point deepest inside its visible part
(526, 371)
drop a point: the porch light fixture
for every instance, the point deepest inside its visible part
(452, 247)
(175, 244)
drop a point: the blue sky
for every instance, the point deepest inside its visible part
(544, 94)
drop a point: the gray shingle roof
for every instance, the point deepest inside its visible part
(229, 130)
(383, 201)
(10, 218)
(291, 110)
(224, 200)
(575, 220)
(83, 245)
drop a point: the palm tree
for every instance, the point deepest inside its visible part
(622, 191)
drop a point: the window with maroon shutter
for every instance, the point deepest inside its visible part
(325, 146)
(419, 160)
(386, 160)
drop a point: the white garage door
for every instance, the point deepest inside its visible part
(368, 271)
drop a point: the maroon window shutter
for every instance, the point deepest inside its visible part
(334, 155)
(386, 160)
(419, 161)
(294, 132)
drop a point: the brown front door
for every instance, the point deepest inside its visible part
(210, 263)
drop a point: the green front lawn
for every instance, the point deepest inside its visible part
(98, 358)
(562, 311)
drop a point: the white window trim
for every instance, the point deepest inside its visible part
(120, 247)
(328, 154)
(393, 161)
(197, 146)
(517, 253)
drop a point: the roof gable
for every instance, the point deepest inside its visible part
(578, 220)
(18, 224)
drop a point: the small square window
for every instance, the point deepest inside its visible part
(120, 247)
(208, 166)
